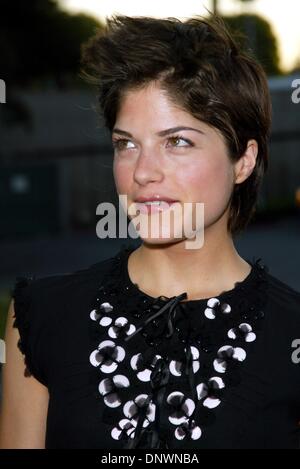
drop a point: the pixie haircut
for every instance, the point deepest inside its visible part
(203, 70)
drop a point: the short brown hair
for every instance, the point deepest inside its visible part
(203, 69)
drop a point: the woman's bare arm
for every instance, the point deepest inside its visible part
(24, 399)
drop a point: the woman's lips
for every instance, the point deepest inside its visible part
(148, 209)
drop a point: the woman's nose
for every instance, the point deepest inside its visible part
(148, 167)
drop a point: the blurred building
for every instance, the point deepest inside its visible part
(283, 178)
(57, 169)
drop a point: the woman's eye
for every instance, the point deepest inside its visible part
(176, 139)
(121, 144)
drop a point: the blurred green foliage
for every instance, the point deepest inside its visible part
(39, 41)
(255, 34)
(4, 304)
(40, 46)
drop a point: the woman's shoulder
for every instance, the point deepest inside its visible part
(283, 307)
(283, 294)
(37, 298)
(37, 287)
(43, 303)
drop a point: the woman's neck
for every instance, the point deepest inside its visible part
(172, 269)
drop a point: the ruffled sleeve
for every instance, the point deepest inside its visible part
(27, 321)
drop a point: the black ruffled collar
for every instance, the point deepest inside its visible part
(216, 331)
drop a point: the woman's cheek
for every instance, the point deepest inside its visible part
(199, 182)
(122, 177)
(209, 184)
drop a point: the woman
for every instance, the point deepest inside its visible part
(165, 346)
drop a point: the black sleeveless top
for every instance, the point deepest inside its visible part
(125, 370)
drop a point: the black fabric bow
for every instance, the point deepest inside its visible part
(159, 379)
(171, 305)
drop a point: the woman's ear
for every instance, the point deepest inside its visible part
(246, 164)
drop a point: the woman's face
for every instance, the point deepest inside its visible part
(185, 165)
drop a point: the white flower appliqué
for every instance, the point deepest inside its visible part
(210, 392)
(244, 331)
(107, 356)
(214, 306)
(225, 355)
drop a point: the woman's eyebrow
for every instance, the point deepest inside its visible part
(162, 133)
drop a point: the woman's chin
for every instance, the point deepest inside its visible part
(160, 243)
(160, 240)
